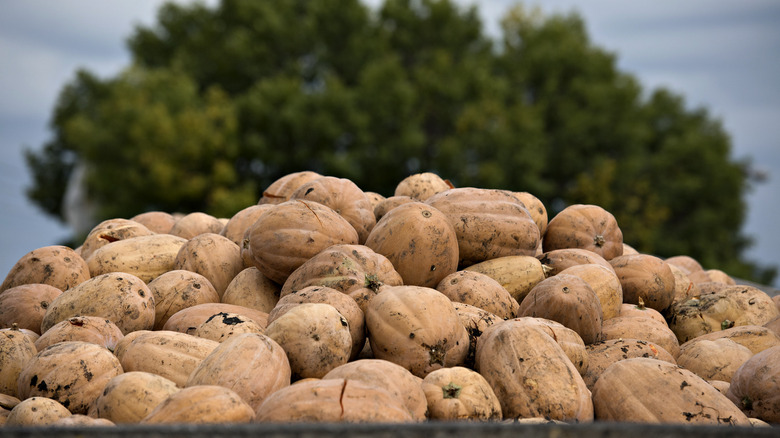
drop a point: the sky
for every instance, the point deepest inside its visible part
(722, 55)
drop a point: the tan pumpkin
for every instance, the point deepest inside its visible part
(488, 223)
(417, 328)
(569, 300)
(213, 256)
(374, 198)
(604, 283)
(179, 289)
(250, 288)
(330, 401)
(640, 311)
(201, 404)
(480, 290)
(755, 338)
(715, 359)
(530, 373)
(120, 297)
(570, 341)
(686, 263)
(584, 226)
(355, 270)
(72, 372)
(645, 277)
(172, 355)
(345, 305)
(458, 393)
(16, 350)
(55, 265)
(603, 354)
(421, 186)
(240, 222)
(109, 231)
(222, 326)
(132, 395)
(235, 363)
(678, 396)
(344, 197)
(557, 260)
(684, 288)
(284, 237)
(644, 329)
(381, 209)
(393, 378)
(517, 274)
(315, 337)
(156, 221)
(195, 224)
(720, 385)
(25, 305)
(36, 411)
(94, 329)
(731, 306)
(146, 257)
(81, 420)
(280, 190)
(536, 209)
(188, 319)
(475, 321)
(755, 386)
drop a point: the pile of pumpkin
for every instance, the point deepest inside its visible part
(325, 303)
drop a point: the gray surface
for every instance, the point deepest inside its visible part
(421, 430)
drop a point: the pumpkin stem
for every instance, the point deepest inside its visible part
(372, 282)
(641, 305)
(726, 324)
(599, 240)
(451, 390)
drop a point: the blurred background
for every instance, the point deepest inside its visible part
(664, 113)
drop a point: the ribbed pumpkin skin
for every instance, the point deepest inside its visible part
(72, 372)
(146, 257)
(177, 290)
(55, 265)
(647, 278)
(488, 223)
(479, 290)
(332, 400)
(603, 354)
(419, 241)
(584, 226)
(236, 363)
(604, 283)
(755, 386)
(569, 300)
(213, 256)
(188, 319)
(570, 341)
(156, 221)
(250, 288)
(459, 393)
(280, 190)
(344, 197)
(417, 328)
(530, 373)
(557, 260)
(130, 396)
(202, 404)
(517, 274)
(421, 186)
(355, 270)
(284, 237)
(718, 359)
(195, 224)
(240, 222)
(36, 411)
(646, 329)
(109, 231)
(96, 330)
(25, 305)
(648, 390)
(16, 350)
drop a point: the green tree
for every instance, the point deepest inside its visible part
(220, 102)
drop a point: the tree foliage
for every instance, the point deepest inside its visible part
(219, 102)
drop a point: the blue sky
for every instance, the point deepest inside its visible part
(720, 54)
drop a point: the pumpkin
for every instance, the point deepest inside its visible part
(25, 305)
(645, 329)
(315, 337)
(56, 265)
(177, 290)
(686, 263)
(213, 256)
(355, 270)
(81, 420)
(130, 396)
(557, 260)
(16, 350)
(535, 208)
(421, 186)
(240, 222)
(716, 359)
(416, 327)
(285, 236)
(146, 257)
(530, 373)
(234, 364)
(640, 311)
(645, 277)
(755, 386)
(72, 372)
(419, 241)
(332, 400)
(584, 226)
(755, 338)
(201, 404)
(477, 289)
(188, 319)
(381, 209)
(344, 197)
(391, 377)
(374, 198)
(36, 411)
(195, 224)
(684, 288)
(156, 221)
(120, 297)
(570, 342)
(475, 321)
(280, 190)
(94, 329)
(569, 300)
(109, 231)
(221, 326)
(487, 223)
(517, 274)
(603, 354)
(678, 396)
(604, 283)
(458, 393)
(250, 288)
